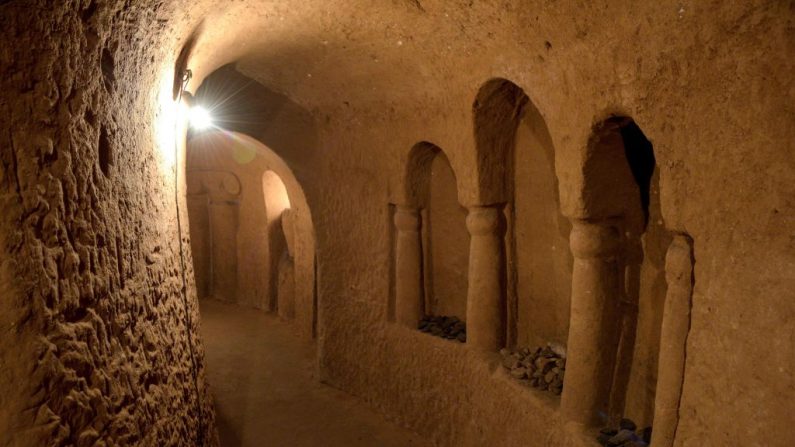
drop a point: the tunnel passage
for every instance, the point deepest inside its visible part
(251, 232)
(262, 139)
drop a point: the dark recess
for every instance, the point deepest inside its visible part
(105, 152)
(108, 65)
(640, 155)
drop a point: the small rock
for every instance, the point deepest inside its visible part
(519, 373)
(621, 437)
(462, 337)
(627, 424)
(541, 362)
(645, 434)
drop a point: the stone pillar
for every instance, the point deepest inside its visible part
(485, 295)
(408, 268)
(593, 328)
(673, 340)
(223, 227)
(632, 260)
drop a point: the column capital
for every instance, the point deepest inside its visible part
(483, 220)
(407, 218)
(594, 239)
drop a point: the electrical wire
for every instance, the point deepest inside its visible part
(186, 77)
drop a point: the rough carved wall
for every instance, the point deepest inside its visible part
(99, 338)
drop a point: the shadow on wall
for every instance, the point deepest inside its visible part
(240, 104)
(619, 335)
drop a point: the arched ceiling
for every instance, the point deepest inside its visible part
(335, 51)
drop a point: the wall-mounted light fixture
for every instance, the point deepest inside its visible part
(199, 118)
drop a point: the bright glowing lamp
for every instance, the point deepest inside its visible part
(200, 118)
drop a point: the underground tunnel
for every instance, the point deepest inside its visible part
(396, 223)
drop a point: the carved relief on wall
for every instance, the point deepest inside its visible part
(218, 185)
(213, 208)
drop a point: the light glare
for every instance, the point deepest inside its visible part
(200, 118)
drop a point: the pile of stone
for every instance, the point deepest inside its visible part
(542, 368)
(450, 328)
(626, 435)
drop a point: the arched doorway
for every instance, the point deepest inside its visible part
(251, 228)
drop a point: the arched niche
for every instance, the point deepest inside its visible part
(273, 221)
(621, 198)
(540, 238)
(281, 293)
(646, 243)
(517, 161)
(446, 241)
(496, 112)
(439, 280)
(276, 198)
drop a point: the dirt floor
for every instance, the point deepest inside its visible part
(261, 376)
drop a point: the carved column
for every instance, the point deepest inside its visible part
(673, 340)
(485, 304)
(408, 268)
(593, 328)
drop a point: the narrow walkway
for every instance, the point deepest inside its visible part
(261, 376)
